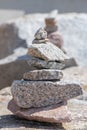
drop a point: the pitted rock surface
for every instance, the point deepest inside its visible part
(43, 93)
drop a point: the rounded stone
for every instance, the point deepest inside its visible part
(50, 21)
(56, 39)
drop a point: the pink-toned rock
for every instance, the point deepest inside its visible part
(50, 21)
(52, 114)
(56, 39)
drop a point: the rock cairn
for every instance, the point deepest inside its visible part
(42, 94)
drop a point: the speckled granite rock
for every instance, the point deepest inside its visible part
(44, 74)
(47, 51)
(43, 93)
(53, 114)
(41, 64)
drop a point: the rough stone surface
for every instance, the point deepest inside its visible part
(56, 39)
(44, 74)
(41, 64)
(48, 52)
(52, 114)
(43, 93)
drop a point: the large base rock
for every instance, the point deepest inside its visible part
(52, 114)
(43, 93)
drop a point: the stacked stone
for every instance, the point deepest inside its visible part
(56, 38)
(42, 94)
(52, 31)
